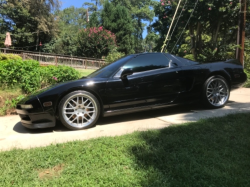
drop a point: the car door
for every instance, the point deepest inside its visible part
(124, 93)
(153, 81)
(160, 80)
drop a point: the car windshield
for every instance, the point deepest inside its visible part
(109, 69)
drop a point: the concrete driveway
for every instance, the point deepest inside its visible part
(14, 135)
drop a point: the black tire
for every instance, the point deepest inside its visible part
(79, 110)
(216, 99)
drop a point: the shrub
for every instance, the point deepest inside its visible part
(113, 56)
(55, 74)
(95, 42)
(29, 76)
(9, 57)
(23, 73)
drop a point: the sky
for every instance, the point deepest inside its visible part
(79, 3)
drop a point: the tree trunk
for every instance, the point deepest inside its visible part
(216, 33)
(198, 35)
(37, 39)
(191, 32)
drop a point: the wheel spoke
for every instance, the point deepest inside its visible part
(89, 115)
(85, 101)
(210, 95)
(71, 105)
(77, 120)
(85, 118)
(71, 116)
(74, 101)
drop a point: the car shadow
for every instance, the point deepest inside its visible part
(23, 130)
(210, 152)
(171, 110)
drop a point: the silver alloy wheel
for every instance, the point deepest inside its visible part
(79, 110)
(217, 92)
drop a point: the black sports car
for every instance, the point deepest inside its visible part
(133, 83)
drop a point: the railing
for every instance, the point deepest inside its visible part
(55, 59)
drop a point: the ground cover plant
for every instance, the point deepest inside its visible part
(8, 100)
(211, 152)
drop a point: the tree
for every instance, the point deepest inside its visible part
(29, 21)
(95, 42)
(70, 21)
(94, 20)
(117, 20)
(99, 2)
(140, 10)
(210, 34)
(150, 41)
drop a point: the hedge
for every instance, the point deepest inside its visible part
(30, 76)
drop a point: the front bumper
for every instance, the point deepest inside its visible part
(36, 120)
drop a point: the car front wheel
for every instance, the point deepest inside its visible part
(79, 110)
(216, 92)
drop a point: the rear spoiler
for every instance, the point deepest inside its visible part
(233, 61)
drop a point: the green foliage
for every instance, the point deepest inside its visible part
(118, 20)
(95, 42)
(113, 56)
(65, 44)
(10, 104)
(190, 57)
(9, 57)
(210, 34)
(94, 20)
(247, 84)
(31, 77)
(50, 75)
(27, 20)
(20, 72)
(139, 11)
(150, 41)
(70, 21)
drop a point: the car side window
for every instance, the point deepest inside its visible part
(146, 62)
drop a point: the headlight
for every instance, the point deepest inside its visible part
(26, 106)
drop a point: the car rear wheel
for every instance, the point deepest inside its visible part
(216, 92)
(79, 110)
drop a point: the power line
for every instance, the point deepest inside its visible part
(164, 43)
(186, 25)
(175, 26)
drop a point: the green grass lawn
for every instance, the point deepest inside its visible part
(213, 152)
(85, 72)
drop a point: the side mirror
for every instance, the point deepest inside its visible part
(126, 73)
(172, 64)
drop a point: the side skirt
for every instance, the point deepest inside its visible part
(144, 108)
(136, 109)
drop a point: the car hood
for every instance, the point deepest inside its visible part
(62, 87)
